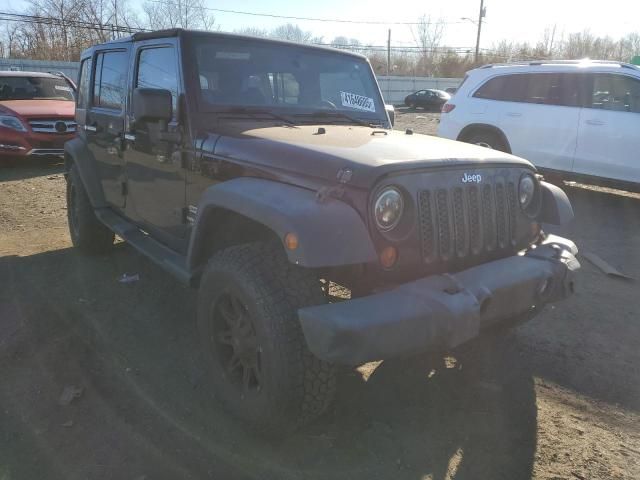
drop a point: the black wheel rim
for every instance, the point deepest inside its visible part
(236, 343)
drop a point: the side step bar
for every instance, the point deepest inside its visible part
(161, 255)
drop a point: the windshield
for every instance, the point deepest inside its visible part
(298, 80)
(31, 88)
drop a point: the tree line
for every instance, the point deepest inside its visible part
(61, 29)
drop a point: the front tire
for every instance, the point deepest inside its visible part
(87, 232)
(262, 371)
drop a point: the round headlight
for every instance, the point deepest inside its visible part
(526, 191)
(387, 209)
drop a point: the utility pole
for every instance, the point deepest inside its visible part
(483, 12)
(389, 53)
(388, 63)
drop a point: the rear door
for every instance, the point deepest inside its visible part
(609, 132)
(104, 121)
(539, 116)
(155, 177)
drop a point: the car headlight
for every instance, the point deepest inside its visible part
(387, 208)
(13, 123)
(526, 191)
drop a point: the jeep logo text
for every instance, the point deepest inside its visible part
(476, 178)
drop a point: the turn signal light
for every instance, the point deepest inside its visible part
(388, 256)
(291, 241)
(447, 107)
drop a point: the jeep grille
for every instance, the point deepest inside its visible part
(467, 220)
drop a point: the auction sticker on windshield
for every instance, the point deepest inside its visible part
(359, 102)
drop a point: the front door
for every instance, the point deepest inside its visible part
(104, 122)
(155, 177)
(609, 133)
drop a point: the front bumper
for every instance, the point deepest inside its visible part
(24, 144)
(440, 312)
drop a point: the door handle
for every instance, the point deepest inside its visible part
(514, 114)
(90, 128)
(594, 122)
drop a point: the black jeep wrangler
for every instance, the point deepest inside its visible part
(267, 175)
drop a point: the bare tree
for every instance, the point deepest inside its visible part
(161, 14)
(253, 32)
(427, 36)
(292, 33)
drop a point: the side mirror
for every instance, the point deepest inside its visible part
(152, 105)
(391, 111)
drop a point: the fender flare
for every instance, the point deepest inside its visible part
(556, 207)
(484, 126)
(77, 153)
(330, 233)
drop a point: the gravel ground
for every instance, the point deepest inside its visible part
(558, 398)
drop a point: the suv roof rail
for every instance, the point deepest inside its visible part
(63, 75)
(534, 63)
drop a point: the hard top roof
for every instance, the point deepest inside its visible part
(175, 32)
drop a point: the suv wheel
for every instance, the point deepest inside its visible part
(487, 140)
(86, 231)
(263, 372)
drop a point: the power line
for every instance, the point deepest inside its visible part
(34, 19)
(310, 19)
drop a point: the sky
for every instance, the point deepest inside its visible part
(514, 20)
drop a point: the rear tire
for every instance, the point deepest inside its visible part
(488, 140)
(263, 372)
(87, 232)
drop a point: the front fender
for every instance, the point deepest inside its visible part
(556, 208)
(330, 233)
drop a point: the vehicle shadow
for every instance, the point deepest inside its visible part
(147, 409)
(23, 168)
(571, 339)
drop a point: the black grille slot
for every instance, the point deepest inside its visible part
(501, 215)
(475, 234)
(459, 222)
(488, 218)
(513, 205)
(426, 225)
(444, 232)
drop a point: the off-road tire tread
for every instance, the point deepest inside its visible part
(282, 288)
(93, 237)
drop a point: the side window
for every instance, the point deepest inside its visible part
(553, 89)
(83, 84)
(508, 88)
(157, 68)
(110, 80)
(615, 92)
(492, 90)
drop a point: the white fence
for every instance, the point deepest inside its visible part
(394, 88)
(68, 68)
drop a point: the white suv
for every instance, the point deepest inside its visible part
(573, 119)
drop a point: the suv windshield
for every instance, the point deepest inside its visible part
(30, 88)
(296, 80)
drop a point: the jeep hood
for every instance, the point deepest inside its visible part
(368, 152)
(38, 108)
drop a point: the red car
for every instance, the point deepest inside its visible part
(36, 114)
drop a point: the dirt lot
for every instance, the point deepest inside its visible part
(558, 398)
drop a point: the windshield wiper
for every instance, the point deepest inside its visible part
(257, 111)
(331, 113)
